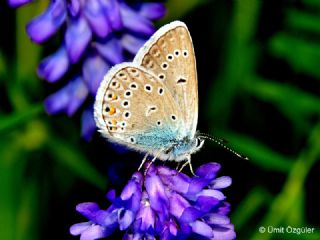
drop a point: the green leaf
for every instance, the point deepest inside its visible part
(287, 96)
(16, 119)
(249, 206)
(312, 3)
(178, 8)
(302, 55)
(238, 63)
(3, 67)
(28, 211)
(258, 153)
(305, 21)
(67, 154)
(281, 206)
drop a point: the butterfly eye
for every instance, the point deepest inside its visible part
(159, 123)
(132, 140)
(177, 53)
(185, 53)
(197, 142)
(173, 117)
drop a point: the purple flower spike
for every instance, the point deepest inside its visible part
(135, 22)
(18, 3)
(74, 7)
(111, 49)
(149, 208)
(112, 7)
(96, 17)
(55, 66)
(131, 43)
(88, 125)
(152, 11)
(94, 69)
(67, 99)
(96, 35)
(77, 37)
(44, 26)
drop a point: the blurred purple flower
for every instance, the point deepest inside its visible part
(97, 34)
(164, 204)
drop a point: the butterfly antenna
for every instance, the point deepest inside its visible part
(222, 142)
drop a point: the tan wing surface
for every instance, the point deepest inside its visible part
(133, 105)
(169, 55)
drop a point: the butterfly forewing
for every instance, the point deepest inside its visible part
(135, 108)
(169, 55)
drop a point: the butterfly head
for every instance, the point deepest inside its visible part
(181, 150)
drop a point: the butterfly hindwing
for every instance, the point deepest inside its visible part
(169, 55)
(135, 108)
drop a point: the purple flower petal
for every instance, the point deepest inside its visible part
(88, 209)
(77, 38)
(78, 228)
(94, 68)
(206, 203)
(202, 228)
(68, 99)
(134, 22)
(176, 181)
(18, 3)
(212, 193)
(52, 68)
(112, 9)
(224, 209)
(44, 26)
(125, 219)
(88, 125)
(93, 232)
(111, 49)
(216, 219)
(190, 214)
(221, 182)
(97, 18)
(152, 11)
(146, 214)
(111, 195)
(224, 233)
(156, 191)
(131, 43)
(208, 171)
(74, 7)
(178, 204)
(133, 187)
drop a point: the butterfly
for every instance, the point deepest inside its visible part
(151, 104)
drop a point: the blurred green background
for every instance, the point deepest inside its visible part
(259, 86)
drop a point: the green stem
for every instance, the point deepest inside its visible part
(294, 186)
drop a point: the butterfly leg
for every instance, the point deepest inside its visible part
(178, 166)
(143, 161)
(150, 163)
(190, 165)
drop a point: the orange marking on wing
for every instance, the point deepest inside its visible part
(112, 111)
